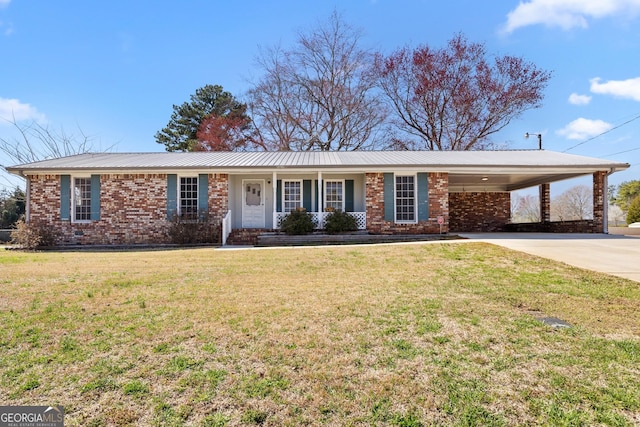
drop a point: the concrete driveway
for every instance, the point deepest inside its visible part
(606, 253)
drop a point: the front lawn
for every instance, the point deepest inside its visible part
(398, 335)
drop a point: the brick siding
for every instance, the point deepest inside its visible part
(133, 208)
(438, 206)
(475, 211)
(218, 195)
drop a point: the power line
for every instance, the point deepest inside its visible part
(603, 133)
(621, 152)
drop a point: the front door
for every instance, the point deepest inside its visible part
(253, 203)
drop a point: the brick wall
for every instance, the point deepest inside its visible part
(474, 212)
(578, 226)
(133, 208)
(438, 206)
(44, 198)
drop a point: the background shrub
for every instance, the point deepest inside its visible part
(297, 222)
(339, 222)
(633, 214)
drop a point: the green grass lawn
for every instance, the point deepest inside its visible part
(398, 335)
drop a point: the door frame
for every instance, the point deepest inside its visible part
(245, 182)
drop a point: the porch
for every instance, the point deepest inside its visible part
(262, 201)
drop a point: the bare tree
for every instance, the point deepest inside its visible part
(616, 215)
(454, 98)
(34, 141)
(574, 204)
(525, 208)
(320, 95)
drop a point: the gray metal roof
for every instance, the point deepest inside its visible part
(366, 160)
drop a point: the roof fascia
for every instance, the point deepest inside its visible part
(457, 169)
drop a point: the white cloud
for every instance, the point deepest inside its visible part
(576, 99)
(629, 88)
(7, 29)
(14, 110)
(567, 14)
(584, 128)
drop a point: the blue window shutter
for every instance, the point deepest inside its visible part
(203, 193)
(389, 197)
(95, 197)
(279, 195)
(65, 197)
(172, 195)
(423, 197)
(316, 198)
(306, 194)
(348, 196)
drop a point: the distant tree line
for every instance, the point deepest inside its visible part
(626, 197)
(12, 207)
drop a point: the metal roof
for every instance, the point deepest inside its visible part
(367, 160)
(468, 170)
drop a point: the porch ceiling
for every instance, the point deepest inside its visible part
(506, 181)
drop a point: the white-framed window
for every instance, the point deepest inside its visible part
(334, 194)
(291, 195)
(81, 199)
(188, 196)
(405, 198)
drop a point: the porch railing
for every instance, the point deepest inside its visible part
(319, 219)
(226, 227)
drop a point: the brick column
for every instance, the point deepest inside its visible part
(218, 195)
(374, 200)
(439, 198)
(599, 201)
(545, 202)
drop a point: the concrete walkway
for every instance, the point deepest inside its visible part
(615, 255)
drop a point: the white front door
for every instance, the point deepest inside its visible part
(253, 203)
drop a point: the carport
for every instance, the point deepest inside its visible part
(484, 193)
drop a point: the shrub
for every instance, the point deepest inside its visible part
(34, 235)
(185, 230)
(633, 214)
(339, 222)
(297, 222)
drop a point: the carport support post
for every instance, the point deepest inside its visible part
(600, 202)
(545, 202)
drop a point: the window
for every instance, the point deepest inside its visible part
(82, 199)
(292, 195)
(189, 197)
(334, 195)
(405, 199)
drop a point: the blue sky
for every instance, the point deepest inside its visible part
(115, 68)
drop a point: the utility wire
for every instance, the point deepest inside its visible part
(621, 152)
(603, 133)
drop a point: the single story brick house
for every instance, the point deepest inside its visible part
(129, 198)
